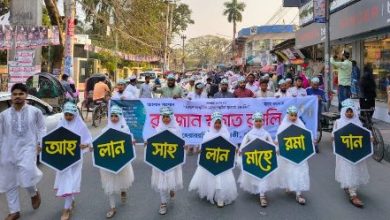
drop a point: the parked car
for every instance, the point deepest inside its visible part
(51, 118)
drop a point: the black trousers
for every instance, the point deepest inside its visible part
(367, 103)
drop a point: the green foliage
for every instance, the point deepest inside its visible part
(233, 11)
(181, 18)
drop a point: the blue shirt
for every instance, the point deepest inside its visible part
(317, 92)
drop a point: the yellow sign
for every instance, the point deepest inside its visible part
(61, 147)
(352, 142)
(217, 154)
(256, 157)
(112, 149)
(295, 143)
(164, 150)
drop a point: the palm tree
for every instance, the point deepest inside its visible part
(233, 11)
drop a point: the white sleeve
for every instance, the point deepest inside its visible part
(40, 125)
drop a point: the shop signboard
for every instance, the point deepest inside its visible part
(306, 13)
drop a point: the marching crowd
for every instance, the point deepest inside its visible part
(22, 128)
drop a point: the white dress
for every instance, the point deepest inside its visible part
(292, 176)
(249, 183)
(68, 182)
(116, 183)
(219, 188)
(172, 180)
(20, 133)
(347, 174)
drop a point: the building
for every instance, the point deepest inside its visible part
(358, 26)
(255, 43)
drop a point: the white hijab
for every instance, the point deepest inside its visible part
(260, 133)
(121, 125)
(78, 127)
(172, 126)
(212, 132)
(286, 123)
(344, 120)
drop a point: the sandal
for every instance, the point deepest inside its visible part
(301, 200)
(263, 201)
(65, 214)
(111, 213)
(356, 201)
(163, 209)
(123, 197)
(220, 204)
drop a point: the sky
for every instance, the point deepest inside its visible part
(209, 18)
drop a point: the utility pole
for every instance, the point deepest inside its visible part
(166, 39)
(69, 6)
(327, 49)
(183, 37)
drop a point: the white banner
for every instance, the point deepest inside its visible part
(194, 116)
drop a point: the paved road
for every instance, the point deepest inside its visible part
(325, 200)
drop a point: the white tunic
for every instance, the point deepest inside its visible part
(280, 94)
(68, 182)
(194, 95)
(252, 87)
(116, 183)
(20, 133)
(296, 92)
(122, 96)
(172, 180)
(291, 176)
(249, 183)
(222, 187)
(347, 174)
(133, 91)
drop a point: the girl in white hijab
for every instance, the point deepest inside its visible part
(121, 182)
(67, 183)
(293, 177)
(167, 183)
(251, 184)
(350, 176)
(221, 188)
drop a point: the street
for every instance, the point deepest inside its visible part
(324, 201)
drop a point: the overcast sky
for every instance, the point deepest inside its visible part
(209, 19)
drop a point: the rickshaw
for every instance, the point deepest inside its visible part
(88, 106)
(48, 88)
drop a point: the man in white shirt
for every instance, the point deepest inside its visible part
(190, 87)
(132, 89)
(282, 92)
(297, 90)
(251, 83)
(120, 93)
(146, 89)
(263, 91)
(198, 93)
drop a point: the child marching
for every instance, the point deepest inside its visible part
(251, 184)
(67, 183)
(117, 183)
(167, 183)
(221, 188)
(350, 176)
(293, 177)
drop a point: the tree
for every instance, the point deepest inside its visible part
(206, 51)
(233, 12)
(181, 18)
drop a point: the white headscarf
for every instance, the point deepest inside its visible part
(344, 120)
(257, 132)
(77, 125)
(121, 125)
(172, 126)
(212, 132)
(286, 122)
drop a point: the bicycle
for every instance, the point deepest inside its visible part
(99, 112)
(378, 143)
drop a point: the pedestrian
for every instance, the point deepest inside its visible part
(120, 93)
(198, 93)
(263, 92)
(355, 87)
(221, 188)
(282, 92)
(67, 183)
(289, 83)
(297, 90)
(344, 75)
(251, 83)
(167, 183)
(117, 183)
(316, 91)
(224, 90)
(350, 176)
(132, 89)
(367, 92)
(190, 87)
(22, 127)
(271, 85)
(146, 88)
(100, 90)
(66, 85)
(241, 91)
(247, 182)
(293, 177)
(171, 90)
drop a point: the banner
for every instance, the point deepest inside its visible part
(194, 117)
(60, 149)
(319, 11)
(353, 143)
(113, 150)
(165, 151)
(295, 144)
(259, 158)
(217, 155)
